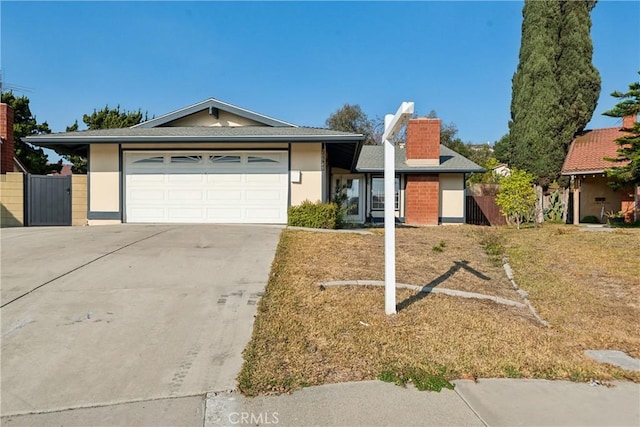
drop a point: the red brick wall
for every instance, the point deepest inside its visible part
(6, 132)
(423, 139)
(422, 195)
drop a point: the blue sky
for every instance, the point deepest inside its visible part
(296, 61)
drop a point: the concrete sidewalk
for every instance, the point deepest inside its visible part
(492, 402)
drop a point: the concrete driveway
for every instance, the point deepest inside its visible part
(95, 316)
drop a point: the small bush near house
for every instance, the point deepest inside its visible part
(590, 219)
(314, 215)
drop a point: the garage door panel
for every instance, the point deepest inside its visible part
(224, 195)
(139, 177)
(263, 195)
(229, 187)
(223, 178)
(146, 195)
(185, 178)
(149, 214)
(179, 195)
(185, 213)
(222, 214)
(266, 179)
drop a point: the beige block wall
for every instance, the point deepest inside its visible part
(452, 195)
(306, 158)
(78, 200)
(104, 178)
(12, 199)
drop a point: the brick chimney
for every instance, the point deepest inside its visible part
(423, 142)
(6, 133)
(423, 190)
(629, 121)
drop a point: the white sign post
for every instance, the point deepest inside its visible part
(392, 125)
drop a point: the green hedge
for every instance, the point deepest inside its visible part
(315, 215)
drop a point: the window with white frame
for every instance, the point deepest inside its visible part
(377, 193)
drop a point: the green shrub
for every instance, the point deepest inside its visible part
(590, 219)
(314, 215)
(517, 198)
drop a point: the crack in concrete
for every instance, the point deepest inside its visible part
(116, 403)
(81, 266)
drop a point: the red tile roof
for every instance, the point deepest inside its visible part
(587, 151)
(66, 170)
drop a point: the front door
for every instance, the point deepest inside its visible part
(352, 186)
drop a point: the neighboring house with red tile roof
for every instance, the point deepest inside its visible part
(585, 164)
(64, 171)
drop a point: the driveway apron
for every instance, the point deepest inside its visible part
(101, 315)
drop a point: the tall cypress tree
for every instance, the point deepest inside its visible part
(579, 79)
(555, 88)
(534, 125)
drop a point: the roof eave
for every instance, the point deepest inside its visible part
(422, 170)
(589, 172)
(112, 139)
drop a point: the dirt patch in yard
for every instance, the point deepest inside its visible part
(305, 335)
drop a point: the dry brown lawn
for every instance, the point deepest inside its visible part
(585, 284)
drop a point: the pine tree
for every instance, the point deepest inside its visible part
(626, 167)
(107, 118)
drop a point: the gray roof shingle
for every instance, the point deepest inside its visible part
(372, 160)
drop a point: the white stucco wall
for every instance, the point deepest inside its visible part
(306, 158)
(104, 178)
(451, 196)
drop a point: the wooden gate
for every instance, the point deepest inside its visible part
(482, 210)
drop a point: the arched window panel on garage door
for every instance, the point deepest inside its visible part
(265, 159)
(224, 159)
(185, 159)
(146, 159)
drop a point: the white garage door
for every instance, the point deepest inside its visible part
(206, 187)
